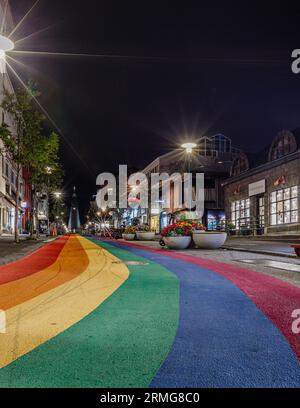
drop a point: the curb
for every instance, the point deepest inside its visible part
(253, 251)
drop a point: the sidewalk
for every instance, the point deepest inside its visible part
(10, 251)
(272, 258)
(255, 246)
(264, 247)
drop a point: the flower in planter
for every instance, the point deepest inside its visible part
(143, 228)
(198, 226)
(130, 230)
(179, 229)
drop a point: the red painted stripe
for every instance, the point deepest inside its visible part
(275, 298)
(32, 263)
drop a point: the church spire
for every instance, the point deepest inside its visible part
(74, 219)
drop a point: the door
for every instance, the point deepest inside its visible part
(260, 215)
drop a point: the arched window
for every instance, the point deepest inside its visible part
(282, 145)
(239, 165)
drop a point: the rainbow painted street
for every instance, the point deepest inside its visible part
(86, 312)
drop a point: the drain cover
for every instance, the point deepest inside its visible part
(272, 264)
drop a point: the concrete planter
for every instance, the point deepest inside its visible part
(177, 242)
(145, 235)
(209, 240)
(128, 237)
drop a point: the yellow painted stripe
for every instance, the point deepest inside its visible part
(45, 316)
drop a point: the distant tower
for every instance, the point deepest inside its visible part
(74, 220)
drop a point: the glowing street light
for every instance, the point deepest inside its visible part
(189, 151)
(57, 194)
(5, 45)
(48, 170)
(189, 147)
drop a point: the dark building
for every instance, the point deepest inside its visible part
(74, 220)
(213, 156)
(262, 194)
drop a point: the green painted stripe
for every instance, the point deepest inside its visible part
(121, 344)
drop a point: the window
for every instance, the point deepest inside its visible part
(221, 143)
(283, 145)
(240, 213)
(261, 212)
(205, 147)
(240, 165)
(284, 206)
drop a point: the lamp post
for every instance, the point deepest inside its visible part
(189, 148)
(48, 170)
(57, 195)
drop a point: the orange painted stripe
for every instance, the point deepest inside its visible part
(32, 263)
(71, 262)
(40, 319)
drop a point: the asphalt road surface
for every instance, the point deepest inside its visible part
(85, 312)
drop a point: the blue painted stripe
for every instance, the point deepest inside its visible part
(223, 339)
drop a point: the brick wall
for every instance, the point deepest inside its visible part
(239, 190)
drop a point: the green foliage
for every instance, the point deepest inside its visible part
(30, 148)
(27, 145)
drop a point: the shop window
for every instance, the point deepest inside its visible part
(240, 213)
(261, 212)
(284, 206)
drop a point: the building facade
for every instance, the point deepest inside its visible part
(262, 194)
(26, 203)
(8, 170)
(212, 156)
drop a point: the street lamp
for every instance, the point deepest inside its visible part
(189, 151)
(189, 147)
(5, 45)
(57, 195)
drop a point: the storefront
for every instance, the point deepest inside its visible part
(164, 220)
(154, 218)
(7, 217)
(215, 220)
(262, 196)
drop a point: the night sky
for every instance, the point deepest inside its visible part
(195, 68)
